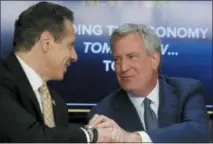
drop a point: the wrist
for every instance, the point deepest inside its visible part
(91, 136)
(134, 137)
(93, 133)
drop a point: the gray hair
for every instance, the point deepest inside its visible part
(151, 40)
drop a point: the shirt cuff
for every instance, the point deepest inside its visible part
(145, 137)
(87, 135)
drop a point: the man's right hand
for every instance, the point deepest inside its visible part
(104, 135)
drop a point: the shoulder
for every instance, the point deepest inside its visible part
(6, 72)
(6, 77)
(182, 82)
(111, 98)
(182, 85)
(3, 67)
(8, 84)
(107, 103)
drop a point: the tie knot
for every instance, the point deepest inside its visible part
(147, 102)
(43, 88)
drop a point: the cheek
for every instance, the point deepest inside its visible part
(117, 71)
(144, 68)
(117, 68)
(59, 61)
(63, 60)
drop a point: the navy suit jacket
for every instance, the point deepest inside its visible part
(21, 118)
(182, 114)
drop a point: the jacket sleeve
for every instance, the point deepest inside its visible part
(194, 127)
(17, 125)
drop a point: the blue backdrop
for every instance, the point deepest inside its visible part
(185, 29)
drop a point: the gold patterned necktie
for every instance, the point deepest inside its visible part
(47, 106)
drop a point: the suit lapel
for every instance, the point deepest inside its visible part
(125, 109)
(168, 104)
(25, 87)
(167, 112)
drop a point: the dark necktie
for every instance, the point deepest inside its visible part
(150, 118)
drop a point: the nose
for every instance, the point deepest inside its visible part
(124, 66)
(74, 56)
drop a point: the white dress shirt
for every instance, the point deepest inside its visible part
(34, 79)
(36, 82)
(138, 103)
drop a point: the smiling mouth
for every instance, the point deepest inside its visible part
(126, 77)
(66, 66)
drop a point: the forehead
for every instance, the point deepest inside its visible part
(129, 43)
(69, 29)
(130, 38)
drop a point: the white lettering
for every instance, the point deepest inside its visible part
(106, 62)
(82, 29)
(106, 48)
(111, 28)
(97, 47)
(161, 31)
(109, 64)
(171, 32)
(164, 48)
(204, 31)
(193, 33)
(87, 44)
(182, 32)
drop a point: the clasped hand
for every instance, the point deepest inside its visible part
(110, 131)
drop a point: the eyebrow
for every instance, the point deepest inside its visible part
(132, 53)
(116, 56)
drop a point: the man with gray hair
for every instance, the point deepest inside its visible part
(149, 107)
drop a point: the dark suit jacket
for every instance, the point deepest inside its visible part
(21, 119)
(182, 114)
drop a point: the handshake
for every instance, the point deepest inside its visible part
(108, 131)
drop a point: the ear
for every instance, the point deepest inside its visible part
(155, 60)
(46, 40)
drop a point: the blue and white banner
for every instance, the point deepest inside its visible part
(185, 29)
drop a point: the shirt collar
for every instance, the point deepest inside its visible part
(153, 96)
(34, 79)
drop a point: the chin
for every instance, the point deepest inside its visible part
(59, 77)
(127, 87)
